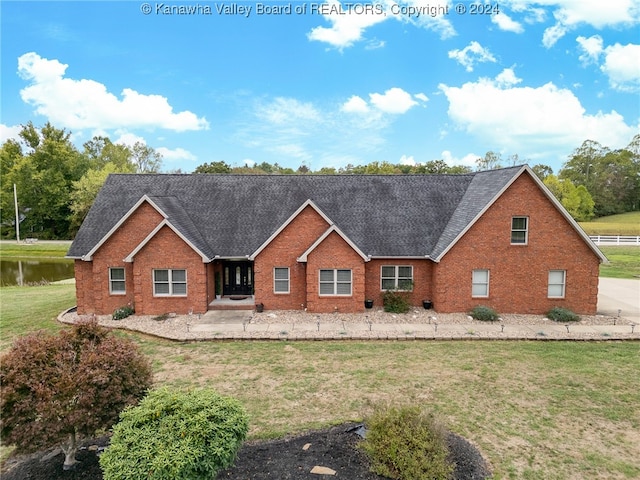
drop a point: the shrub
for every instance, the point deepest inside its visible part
(175, 435)
(56, 388)
(123, 312)
(406, 443)
(485, 314)
(396, 301)
(559, 314)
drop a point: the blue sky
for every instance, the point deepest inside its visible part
(326, 83)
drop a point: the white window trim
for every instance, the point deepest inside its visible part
(170, 281)
(483, 283)
(525, 230)
(111, 280)
(335, 282)
(563, 284)
(396, 278)
(288, 280)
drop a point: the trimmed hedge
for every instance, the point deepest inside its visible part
(176, 435)
(123, 312)
(485, 314)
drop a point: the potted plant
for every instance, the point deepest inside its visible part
(259, 307)
(218, 286)
(427, 304)
(368, 303)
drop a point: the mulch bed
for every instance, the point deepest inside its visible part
(281, 459)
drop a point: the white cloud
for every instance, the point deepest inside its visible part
(407, 160)
(569, 14)
(468, 160)
(472, 54)
(129, 139)
(591, 48)
(10, 132)
(622, 66)
(175, 154)
(284, 110)
(80, 104)
(506, 23)
(355, 105)
(395, 100)
(422, 97)
(531, 121)
(350, 20)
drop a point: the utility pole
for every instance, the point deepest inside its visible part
(15, 201)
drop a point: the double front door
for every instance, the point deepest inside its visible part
(237, 278)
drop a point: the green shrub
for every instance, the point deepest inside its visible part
(485, 314)
(396, 301)
(174, 435)
(123, 312)
(406, 443)
(559, 314)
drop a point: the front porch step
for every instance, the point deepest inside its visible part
(227, 303)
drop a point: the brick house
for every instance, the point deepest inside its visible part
(326, 243)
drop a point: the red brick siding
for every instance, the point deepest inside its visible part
(92, 278)
(167, 250)
(283, 251)
(422, 279)
(332, 253)
(519, 273)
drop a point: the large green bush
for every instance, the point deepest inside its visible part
(396, 301)
(405, 443)
(174, 435)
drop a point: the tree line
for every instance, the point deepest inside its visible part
(57, 182)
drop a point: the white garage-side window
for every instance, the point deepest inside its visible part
(480, 283)
(281, 280)
(557, 283)
(117, 284)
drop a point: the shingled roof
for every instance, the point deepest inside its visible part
(231, 216)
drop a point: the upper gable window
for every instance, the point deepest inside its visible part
(480, 283)
(396, 277)
(519, 230)
(117, 285)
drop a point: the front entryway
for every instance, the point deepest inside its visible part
(237, 278)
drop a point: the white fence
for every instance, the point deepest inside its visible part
(616, 240)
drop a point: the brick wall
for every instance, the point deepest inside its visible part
(155, 255)
(92, 278)
(335, 253)
(519, 273)
(283, 251)
(422, 280)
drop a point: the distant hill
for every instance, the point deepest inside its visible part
(621, 224)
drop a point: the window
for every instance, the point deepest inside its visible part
(170, 282)
(557, 281)
(116, 281)
(519, 230)
(335, 282)
(396, 277)
(281, 280)
(480, 283)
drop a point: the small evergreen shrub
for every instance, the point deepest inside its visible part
(405, 443)
(176, 435)
(123, 312)
(396, 301)
(558, 314)
(485, 314)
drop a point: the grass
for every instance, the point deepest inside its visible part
(41, 249)
(624, 262)
(622, 224)
(537, 410)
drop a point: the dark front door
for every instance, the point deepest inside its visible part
(237, 278)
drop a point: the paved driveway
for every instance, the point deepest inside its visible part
(623, 294)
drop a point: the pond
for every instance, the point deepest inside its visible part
(17, 271)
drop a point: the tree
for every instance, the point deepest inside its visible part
(175, 434)
(145, 159)
(57, 388)
(213, 167)
(490, 161)
(542, 171)
(100, 151)
(576, 200)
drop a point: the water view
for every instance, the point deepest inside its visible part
(16, 271)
